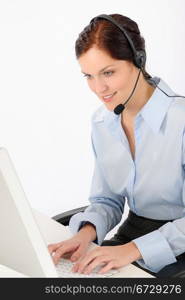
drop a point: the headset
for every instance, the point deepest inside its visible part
(139, 60)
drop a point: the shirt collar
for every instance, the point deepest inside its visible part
(153, 112)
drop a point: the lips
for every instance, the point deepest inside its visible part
(109, 97)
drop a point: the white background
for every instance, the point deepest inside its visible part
(46, 105)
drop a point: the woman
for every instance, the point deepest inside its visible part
(139, 157)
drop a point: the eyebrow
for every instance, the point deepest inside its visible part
(101, 69)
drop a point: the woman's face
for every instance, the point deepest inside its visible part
(110, 79)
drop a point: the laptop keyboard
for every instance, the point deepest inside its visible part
(64, 269)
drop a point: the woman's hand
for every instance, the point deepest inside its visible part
(72, 249)
(75, 247)
(110, 256)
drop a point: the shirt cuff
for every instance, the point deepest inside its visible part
(155, 251)
(78, 220)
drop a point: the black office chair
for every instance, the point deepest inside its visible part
(175, 270)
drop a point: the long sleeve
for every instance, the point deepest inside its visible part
(106, 208)
(160, 247)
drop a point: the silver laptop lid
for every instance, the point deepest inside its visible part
(22, 247)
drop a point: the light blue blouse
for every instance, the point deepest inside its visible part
(152, 183)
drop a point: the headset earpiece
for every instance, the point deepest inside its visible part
(140, 58)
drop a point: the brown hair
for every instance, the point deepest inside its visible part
(108, 37)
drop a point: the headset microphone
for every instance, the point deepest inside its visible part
(120, 107)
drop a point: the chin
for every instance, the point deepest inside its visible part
(110, 107)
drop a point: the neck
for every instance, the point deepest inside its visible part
(140, 97)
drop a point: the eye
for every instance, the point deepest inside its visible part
(108, 73)
(87, 76)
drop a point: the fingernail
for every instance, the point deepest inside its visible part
(73, 258)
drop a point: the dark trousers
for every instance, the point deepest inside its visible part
(133, 227)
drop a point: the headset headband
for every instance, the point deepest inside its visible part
(139, 55)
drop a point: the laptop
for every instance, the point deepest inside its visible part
(22, 245)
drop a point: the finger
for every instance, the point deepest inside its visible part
(78, 264)
(79, 253)
(58, 255)
(81, 265)
(53, 247)
(107, 267)
(68, 255)
(60, 252)
(101, 260)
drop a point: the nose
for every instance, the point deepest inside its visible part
(100, 86)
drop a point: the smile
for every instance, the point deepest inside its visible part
(108, 98)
